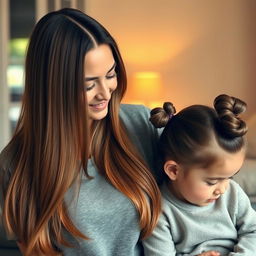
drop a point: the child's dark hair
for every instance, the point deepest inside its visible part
(188, 134)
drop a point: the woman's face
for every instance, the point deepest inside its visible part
(100, 80)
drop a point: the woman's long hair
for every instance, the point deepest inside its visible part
(51, 142)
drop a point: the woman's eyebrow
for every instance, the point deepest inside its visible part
(113, 67)
(96, 77)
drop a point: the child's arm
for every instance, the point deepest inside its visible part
(246, 226)
(160, 243)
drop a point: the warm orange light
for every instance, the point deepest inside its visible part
(145, 87)
(146, 83)
(147, 75)
(150, 52)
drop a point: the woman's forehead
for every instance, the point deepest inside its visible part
(98, 60)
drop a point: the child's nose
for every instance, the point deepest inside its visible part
(221, 188)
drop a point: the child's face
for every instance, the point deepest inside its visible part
(201, 186)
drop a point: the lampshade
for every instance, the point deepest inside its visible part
(146, 86)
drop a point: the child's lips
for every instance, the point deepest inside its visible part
(213, 199)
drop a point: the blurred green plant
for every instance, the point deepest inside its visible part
(18, 47)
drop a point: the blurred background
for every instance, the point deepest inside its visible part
(184, 51)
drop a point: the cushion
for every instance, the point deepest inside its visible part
(246, 177)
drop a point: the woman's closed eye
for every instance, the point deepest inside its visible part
(112, 75)
(89, 86)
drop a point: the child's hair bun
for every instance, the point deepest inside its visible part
(228, 109)
(159, 117)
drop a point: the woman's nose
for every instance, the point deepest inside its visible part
(104, 91)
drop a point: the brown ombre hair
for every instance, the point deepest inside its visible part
(51, 142)
(188, 135)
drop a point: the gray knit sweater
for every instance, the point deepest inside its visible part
(102, 212)
(227, 225)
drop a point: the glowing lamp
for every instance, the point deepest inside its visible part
(146, 86)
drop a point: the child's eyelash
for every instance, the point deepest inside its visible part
(211, 183)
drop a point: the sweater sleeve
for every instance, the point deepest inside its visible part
(246, 226)
(143, 135)
(160, 243)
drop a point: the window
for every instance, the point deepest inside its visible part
(17, 19)
(21, 20)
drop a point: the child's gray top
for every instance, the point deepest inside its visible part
(227, 225)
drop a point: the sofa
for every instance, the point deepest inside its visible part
(246, 177)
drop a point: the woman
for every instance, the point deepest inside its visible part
(76, 175)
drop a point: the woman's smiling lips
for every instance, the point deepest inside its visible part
(99, 106)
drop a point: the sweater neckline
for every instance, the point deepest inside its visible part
(182, 204)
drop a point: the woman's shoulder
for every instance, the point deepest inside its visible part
(132, 106)
(134, 111)
(136, 118)
(142, 133)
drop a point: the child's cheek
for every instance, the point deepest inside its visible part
(203, 192)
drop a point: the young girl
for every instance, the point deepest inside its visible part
(75, 177)
(204, 211)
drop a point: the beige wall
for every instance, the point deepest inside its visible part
(201, 48)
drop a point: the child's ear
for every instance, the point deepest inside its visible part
(171, 168)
